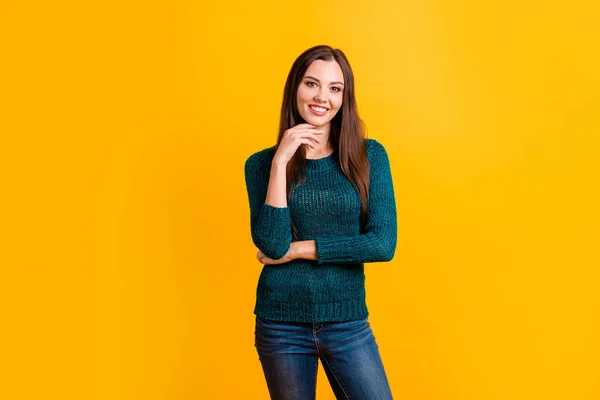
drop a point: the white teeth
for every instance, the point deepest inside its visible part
(318, 109)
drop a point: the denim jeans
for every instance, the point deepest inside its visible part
(289, 353)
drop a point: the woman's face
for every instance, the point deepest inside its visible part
(321, 92)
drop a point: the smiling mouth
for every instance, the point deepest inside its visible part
(318, 110)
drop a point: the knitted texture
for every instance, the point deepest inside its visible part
(325, 208)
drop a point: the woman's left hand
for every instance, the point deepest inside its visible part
(266, 260)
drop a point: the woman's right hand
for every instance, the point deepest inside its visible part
(293, 138)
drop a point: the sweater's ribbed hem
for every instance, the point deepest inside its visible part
(351, 310)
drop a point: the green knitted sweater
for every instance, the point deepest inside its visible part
(325, 208)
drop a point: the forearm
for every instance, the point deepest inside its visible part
(306, 249)
(277, 188)
(366, 248)
(351, 249)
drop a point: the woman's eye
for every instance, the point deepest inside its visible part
(311, 83)
(336, 89)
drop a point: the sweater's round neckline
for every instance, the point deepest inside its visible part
(323, 163)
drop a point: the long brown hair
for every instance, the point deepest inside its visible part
(347, 132)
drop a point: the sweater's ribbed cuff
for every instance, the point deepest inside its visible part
(328, 250)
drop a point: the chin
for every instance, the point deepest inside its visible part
(318, 124)
(316, 121)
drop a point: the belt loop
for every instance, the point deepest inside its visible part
(317, 326)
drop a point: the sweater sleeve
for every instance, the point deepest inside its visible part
(270, 226)
(378, 243)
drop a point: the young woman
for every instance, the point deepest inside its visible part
(321, 205)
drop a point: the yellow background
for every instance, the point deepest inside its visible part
(128, 268)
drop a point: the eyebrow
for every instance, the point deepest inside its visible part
(333, 83)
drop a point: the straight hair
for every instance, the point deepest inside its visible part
(347, 132)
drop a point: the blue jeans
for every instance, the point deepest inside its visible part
(289, 353)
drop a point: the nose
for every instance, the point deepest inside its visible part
(320, 96)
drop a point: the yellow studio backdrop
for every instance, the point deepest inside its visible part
(128, 267)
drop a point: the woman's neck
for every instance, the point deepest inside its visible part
(324, 148)
(321, 150)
